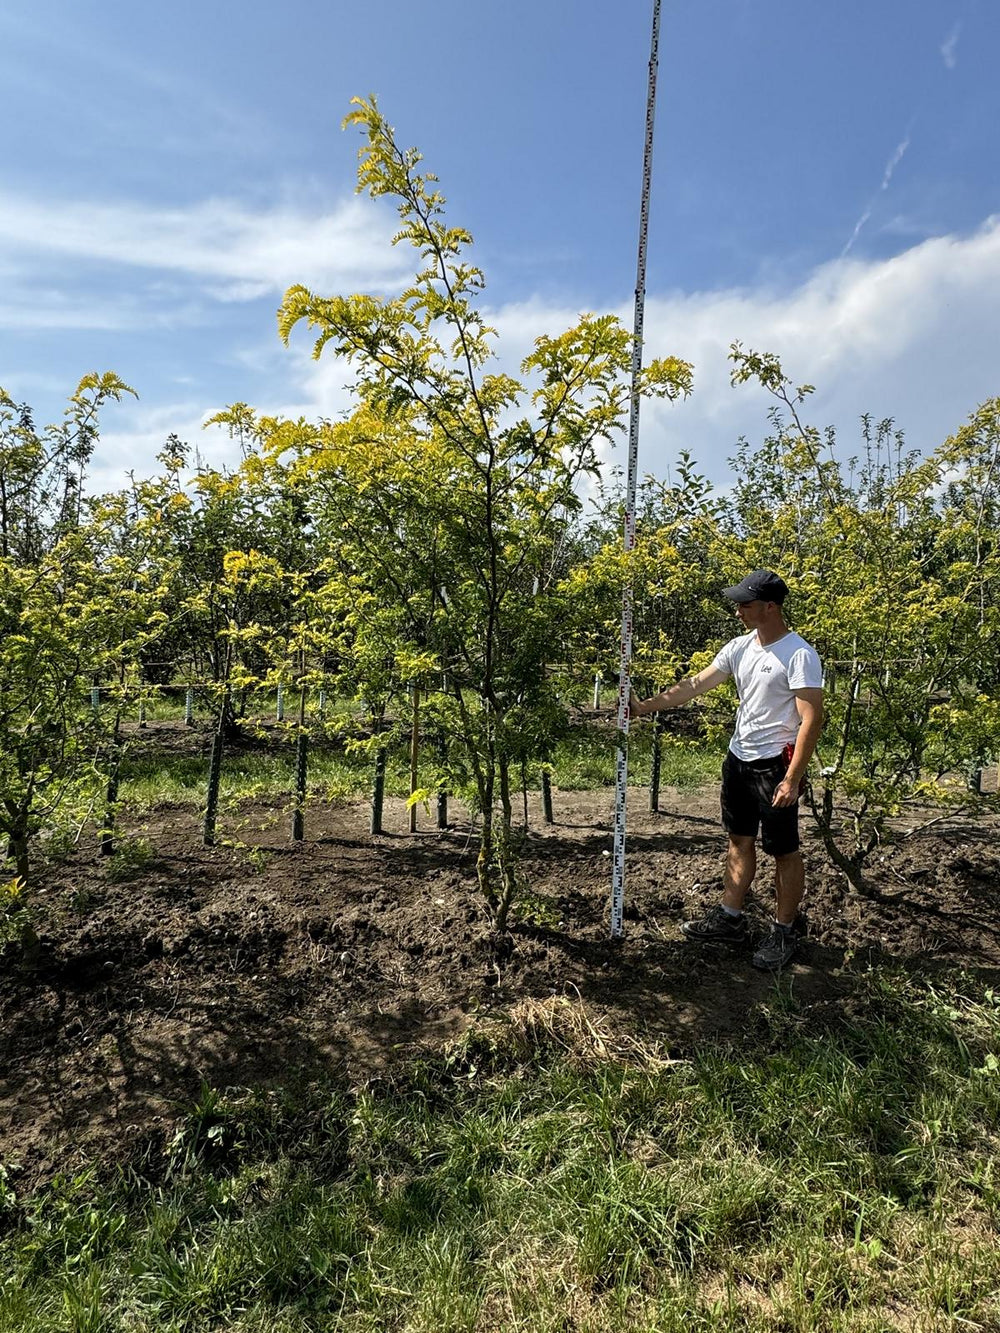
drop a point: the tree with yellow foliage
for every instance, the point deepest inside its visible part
(441, 501)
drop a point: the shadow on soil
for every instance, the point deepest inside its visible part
(336, 958)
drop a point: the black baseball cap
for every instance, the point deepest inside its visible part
(762, 585)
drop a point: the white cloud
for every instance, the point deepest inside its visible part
(913, 337)
(134, 434)
(26, 307)
(949, 46)
(235, 253)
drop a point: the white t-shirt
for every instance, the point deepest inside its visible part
(767, 719)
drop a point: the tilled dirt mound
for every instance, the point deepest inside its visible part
(332, 958)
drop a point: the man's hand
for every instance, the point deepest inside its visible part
(786, 793)
(634, 709)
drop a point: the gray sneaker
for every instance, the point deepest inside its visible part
(717, 927)
(777, 950)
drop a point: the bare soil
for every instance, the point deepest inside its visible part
(333, 958)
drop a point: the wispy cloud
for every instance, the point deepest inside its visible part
(135, 434)
(949, 46)
(894, 160)
(32, 308)
(229, 251)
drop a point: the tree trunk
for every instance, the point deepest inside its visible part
(485, 868)
(850, 866)
(505, 857)
(301, 771)
(19, 852)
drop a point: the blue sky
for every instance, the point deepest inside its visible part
(826, 185)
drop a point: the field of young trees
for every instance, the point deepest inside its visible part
(303, 767)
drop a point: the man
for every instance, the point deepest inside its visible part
(779, 681)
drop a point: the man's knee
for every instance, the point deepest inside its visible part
(742, 852)
(740, 842)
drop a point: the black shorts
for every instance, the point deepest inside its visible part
(747, 791)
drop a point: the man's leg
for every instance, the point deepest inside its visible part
(741, 866)
(780, 839)
(725, 923)
(781, 946)
(789, 882)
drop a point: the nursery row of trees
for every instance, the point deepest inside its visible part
(456, 533)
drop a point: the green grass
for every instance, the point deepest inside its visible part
(583, 760)
(586, 759)
(149, 780)
(840, 1180)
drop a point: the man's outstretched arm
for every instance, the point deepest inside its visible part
(678, 694)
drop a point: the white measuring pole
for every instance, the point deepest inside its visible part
(625, 667)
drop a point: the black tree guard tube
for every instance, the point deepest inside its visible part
(111, 799)
(215, 775)
(547, 796)
(301, 771)
(378, 785)
(654, 773)
(442, 793)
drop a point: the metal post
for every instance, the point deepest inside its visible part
(598, 682)
(189, 707)
(625, 663)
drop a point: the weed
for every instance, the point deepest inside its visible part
(130, 860)
(536, 909)
(15, 911)
(257, 859)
